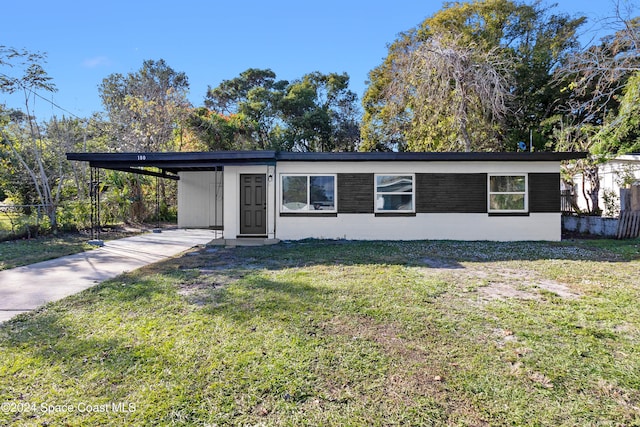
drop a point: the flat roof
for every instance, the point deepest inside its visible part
(170, 163)
(430, 156)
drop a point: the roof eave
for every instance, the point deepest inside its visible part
(432, 156)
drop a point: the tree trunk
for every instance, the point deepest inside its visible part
(466, 139)
(593, 178)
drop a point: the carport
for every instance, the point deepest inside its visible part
(176, 166)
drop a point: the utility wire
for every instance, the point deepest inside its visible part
(53, 104)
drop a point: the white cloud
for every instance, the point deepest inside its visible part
(98, 61)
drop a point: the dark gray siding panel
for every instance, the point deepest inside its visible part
(451, 192)
(544, 192)
(355, 193)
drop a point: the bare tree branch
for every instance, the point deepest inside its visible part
(442, 79)
(599, 73)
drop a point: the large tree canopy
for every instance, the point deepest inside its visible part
(145, 108)
(456, 95)
(485, 58)
(255, 111)
(245, 111)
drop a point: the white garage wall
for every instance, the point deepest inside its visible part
(200, 196)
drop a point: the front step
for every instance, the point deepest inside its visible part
(245, 241)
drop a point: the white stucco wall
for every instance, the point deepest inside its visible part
(196, 207)
(432, 226)
(200, 197)
(453, 226)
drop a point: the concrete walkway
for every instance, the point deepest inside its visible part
(26, 288)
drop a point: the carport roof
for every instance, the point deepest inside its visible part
(171, 163)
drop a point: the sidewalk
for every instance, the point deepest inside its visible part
(26, 288)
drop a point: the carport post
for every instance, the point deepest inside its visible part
(94, 193)
(157, 229)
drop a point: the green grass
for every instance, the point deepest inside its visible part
(15, 253)
(340, 333)
(5, 223)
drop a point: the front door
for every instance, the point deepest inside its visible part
(253, 204)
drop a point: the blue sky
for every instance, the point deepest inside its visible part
(212, 41)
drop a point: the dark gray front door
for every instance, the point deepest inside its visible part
(253, 204)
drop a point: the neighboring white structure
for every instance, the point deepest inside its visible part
(362, 196)
(617, 173)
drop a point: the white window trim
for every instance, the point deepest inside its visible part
(525, 193)
(306, 211)
(413, 193)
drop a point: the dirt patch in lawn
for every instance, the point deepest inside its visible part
(493, 282)
(504, 283)
(207, 270)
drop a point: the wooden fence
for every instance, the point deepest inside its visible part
(629, 225)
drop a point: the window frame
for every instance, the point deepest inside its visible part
(284, 210)
(376, 193)
(524, 193)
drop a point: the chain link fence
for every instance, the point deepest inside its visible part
(21, 221)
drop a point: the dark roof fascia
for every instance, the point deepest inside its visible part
(430, 156)
(174, 162)
(142, 159)
(195, 161)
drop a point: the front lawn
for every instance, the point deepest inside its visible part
(16, 253)
(340, 333)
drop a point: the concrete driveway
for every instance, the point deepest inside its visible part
(26, 288)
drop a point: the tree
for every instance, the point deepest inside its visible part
(600, 105)
(146, 109)
(257, 111)
(624, 135)
(595, 77)
(22, 141)
(441, 78)
(251, 100)
(217, 131)
(37, 171)
(517, 44)
(319, 114)
(567, 136)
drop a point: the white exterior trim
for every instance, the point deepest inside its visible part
(232, 198)
(376, 193)
(282, 209)
(526, 193)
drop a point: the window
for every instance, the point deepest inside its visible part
(508, 193)
(394, 193)
(305, 193)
